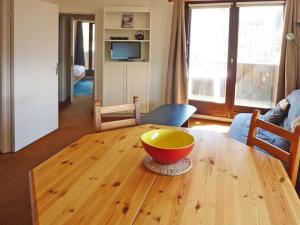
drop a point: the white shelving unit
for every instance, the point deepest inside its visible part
(124, 79)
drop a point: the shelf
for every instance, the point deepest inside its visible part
(127, 40)
(120, 28)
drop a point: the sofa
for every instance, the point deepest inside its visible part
(240, 127)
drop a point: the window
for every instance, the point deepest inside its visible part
(86, 27)
(234, 54)
(86, 42)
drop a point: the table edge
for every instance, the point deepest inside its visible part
(33, 206)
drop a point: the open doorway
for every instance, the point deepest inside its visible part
(77, 61)
(83, 58)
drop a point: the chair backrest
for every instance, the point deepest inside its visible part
(291, 158)
(99, 111)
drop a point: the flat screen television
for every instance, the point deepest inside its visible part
(125, 50)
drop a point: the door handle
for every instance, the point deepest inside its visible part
(57, 69)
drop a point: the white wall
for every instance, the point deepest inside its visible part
(161, 31)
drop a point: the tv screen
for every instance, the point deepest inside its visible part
(125, 50)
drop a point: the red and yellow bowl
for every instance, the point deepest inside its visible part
(168, 145)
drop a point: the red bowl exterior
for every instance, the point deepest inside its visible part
(167, 156)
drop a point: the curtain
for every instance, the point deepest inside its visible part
(289, 69)
(177, 76)
(79, 48)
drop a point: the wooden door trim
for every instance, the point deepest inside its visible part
(228, 109)
(6, 122)
(209, 108)
(232, 58)
(246, 109)
(203, 107)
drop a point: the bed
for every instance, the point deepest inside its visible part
(78, 73)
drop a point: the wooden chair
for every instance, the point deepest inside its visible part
(291, 158)
(99, 111)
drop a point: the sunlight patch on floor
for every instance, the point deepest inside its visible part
(215, 128)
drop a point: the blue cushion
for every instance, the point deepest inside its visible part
(240, 128)
(294, 111)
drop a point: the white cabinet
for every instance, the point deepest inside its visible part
(137, 83)
(114, 83)
(123, 80)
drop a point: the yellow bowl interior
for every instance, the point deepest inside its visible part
(168, 138)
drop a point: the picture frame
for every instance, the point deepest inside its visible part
(127, 21)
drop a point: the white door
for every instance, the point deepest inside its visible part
(35, 76)
(114, 83)
(137, 83)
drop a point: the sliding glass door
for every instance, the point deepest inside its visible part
(234, 53)
(209, 54)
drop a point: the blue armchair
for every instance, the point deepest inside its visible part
(240, 127)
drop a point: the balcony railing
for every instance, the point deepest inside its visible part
(255, 86)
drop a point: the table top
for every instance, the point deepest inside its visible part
(100, 179)
(170, 115)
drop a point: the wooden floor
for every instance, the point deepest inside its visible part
(208, 125)
(75, 121)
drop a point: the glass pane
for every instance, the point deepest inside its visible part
(258, 55)
(208, 54)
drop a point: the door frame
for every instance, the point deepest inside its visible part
(66, 46)
(227, 109)
(6, 98)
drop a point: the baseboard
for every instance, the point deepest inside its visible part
(220, 119)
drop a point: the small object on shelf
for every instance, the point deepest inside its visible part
(139, 35)
(127, 21)
(119, 38)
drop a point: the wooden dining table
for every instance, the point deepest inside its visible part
(101, 179)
